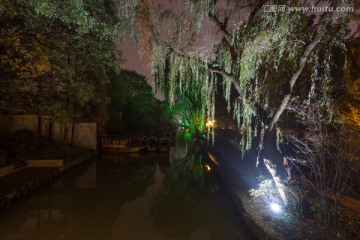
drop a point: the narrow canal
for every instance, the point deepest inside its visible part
(128, 197)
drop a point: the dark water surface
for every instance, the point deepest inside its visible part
(126, 197)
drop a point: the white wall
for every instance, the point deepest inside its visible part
(85, 133)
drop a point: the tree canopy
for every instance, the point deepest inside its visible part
(267, 57)
(55, 57)
(58, 55)
(133, 106)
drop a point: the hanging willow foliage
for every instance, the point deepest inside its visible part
(256, 56)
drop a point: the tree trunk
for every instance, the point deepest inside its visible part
(51, 135)
(321, 29)
(39, 124)
(270, 150)
(73, 123)
(72, 133)
(66, 130)
(273, 161)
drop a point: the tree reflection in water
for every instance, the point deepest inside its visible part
(66, 210)
(192, 199)
(129, 197)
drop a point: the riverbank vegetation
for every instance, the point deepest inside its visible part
(289, 82)
(133, 107)
(63, 62)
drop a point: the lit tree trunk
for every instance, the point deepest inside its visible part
(301, 64)
(273, 162)
(272, 158)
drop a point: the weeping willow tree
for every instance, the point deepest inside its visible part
(267, 57)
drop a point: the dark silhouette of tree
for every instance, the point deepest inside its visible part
(133, 106)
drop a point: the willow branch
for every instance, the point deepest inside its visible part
(234, 82)
(301, 64)
(222, 72)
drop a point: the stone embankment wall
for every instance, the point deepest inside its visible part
(85, 134)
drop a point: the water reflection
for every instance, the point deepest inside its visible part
(193, 204)
(187, 159)
(128, 197)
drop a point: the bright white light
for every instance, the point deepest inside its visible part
(275, 207)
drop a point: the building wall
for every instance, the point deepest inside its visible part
(85, 134)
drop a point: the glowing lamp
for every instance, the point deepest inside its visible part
(207, 167)
(210, 123)
(275, 207)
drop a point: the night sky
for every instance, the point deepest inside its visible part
(130, 53)
(136, 63)
(133, 59)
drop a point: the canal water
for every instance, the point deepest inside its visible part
(128, 197)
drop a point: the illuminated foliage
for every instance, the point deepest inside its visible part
(25, 60)
(190, 116)
(325, 150)
(263, 56)
(55, 58)
(349, 106)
